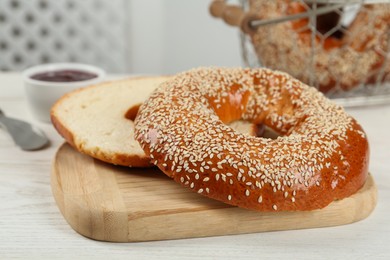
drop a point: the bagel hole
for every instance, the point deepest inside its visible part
(252, 129)
(132, 112)
(328, 21)
(268, 132)
(339, 34)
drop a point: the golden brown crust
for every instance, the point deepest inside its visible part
(321, 156)
(62, 130)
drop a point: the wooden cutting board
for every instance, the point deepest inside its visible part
(113, 203)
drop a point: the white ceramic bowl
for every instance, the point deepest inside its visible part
(41, 95)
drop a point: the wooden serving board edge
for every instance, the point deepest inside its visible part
(112, 223)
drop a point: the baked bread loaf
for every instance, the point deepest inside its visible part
(321, 156)
(98, 120)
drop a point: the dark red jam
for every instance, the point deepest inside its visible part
(64, 76)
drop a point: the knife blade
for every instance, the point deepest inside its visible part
(25, 135)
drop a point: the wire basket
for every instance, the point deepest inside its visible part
(341, 47)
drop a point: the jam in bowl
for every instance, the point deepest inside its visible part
(64, 76)
(45, 84)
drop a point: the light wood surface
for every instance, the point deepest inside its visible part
(233, 14)
(32, 227)
(119, 204)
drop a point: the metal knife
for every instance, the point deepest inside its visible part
(25, 135)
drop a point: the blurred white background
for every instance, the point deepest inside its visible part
(175, 35)
(136, 36)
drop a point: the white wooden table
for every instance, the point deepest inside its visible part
(31, 225)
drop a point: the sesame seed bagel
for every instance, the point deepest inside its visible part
(321, 156)
(342, 57)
